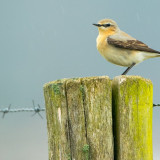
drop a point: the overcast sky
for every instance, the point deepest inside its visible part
(45, 40)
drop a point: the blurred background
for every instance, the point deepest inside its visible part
(45, 40)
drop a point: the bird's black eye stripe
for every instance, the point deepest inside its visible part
(106, 25)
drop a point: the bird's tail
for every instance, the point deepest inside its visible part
(151, 55)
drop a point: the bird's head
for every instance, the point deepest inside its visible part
(107, 26)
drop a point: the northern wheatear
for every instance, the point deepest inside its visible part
(120, 48)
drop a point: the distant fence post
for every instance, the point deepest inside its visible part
(79, 118)
(132, 117)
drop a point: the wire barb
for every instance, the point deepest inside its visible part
(36, 109)
(6, 110)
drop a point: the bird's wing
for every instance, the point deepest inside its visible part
(131, 44)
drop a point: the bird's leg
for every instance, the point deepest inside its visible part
(126, 71)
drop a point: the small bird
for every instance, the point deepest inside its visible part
(120, 48)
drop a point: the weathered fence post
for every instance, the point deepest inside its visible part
(79, 119)
(132, 118)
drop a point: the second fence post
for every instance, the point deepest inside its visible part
(132, 118)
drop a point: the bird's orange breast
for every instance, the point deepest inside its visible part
(102, 39)
(101, 43)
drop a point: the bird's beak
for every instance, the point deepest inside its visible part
(97, 25)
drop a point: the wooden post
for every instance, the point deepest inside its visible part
(132, 118)
(79, 119)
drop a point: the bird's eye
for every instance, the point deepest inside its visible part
(107, 25)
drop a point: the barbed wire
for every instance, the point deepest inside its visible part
(156, 105)
(36, 109)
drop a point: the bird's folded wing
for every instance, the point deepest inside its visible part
(130, 44)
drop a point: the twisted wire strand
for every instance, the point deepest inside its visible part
(36, 109)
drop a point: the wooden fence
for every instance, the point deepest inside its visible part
(96, 118)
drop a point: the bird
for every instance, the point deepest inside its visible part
(119, 47)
